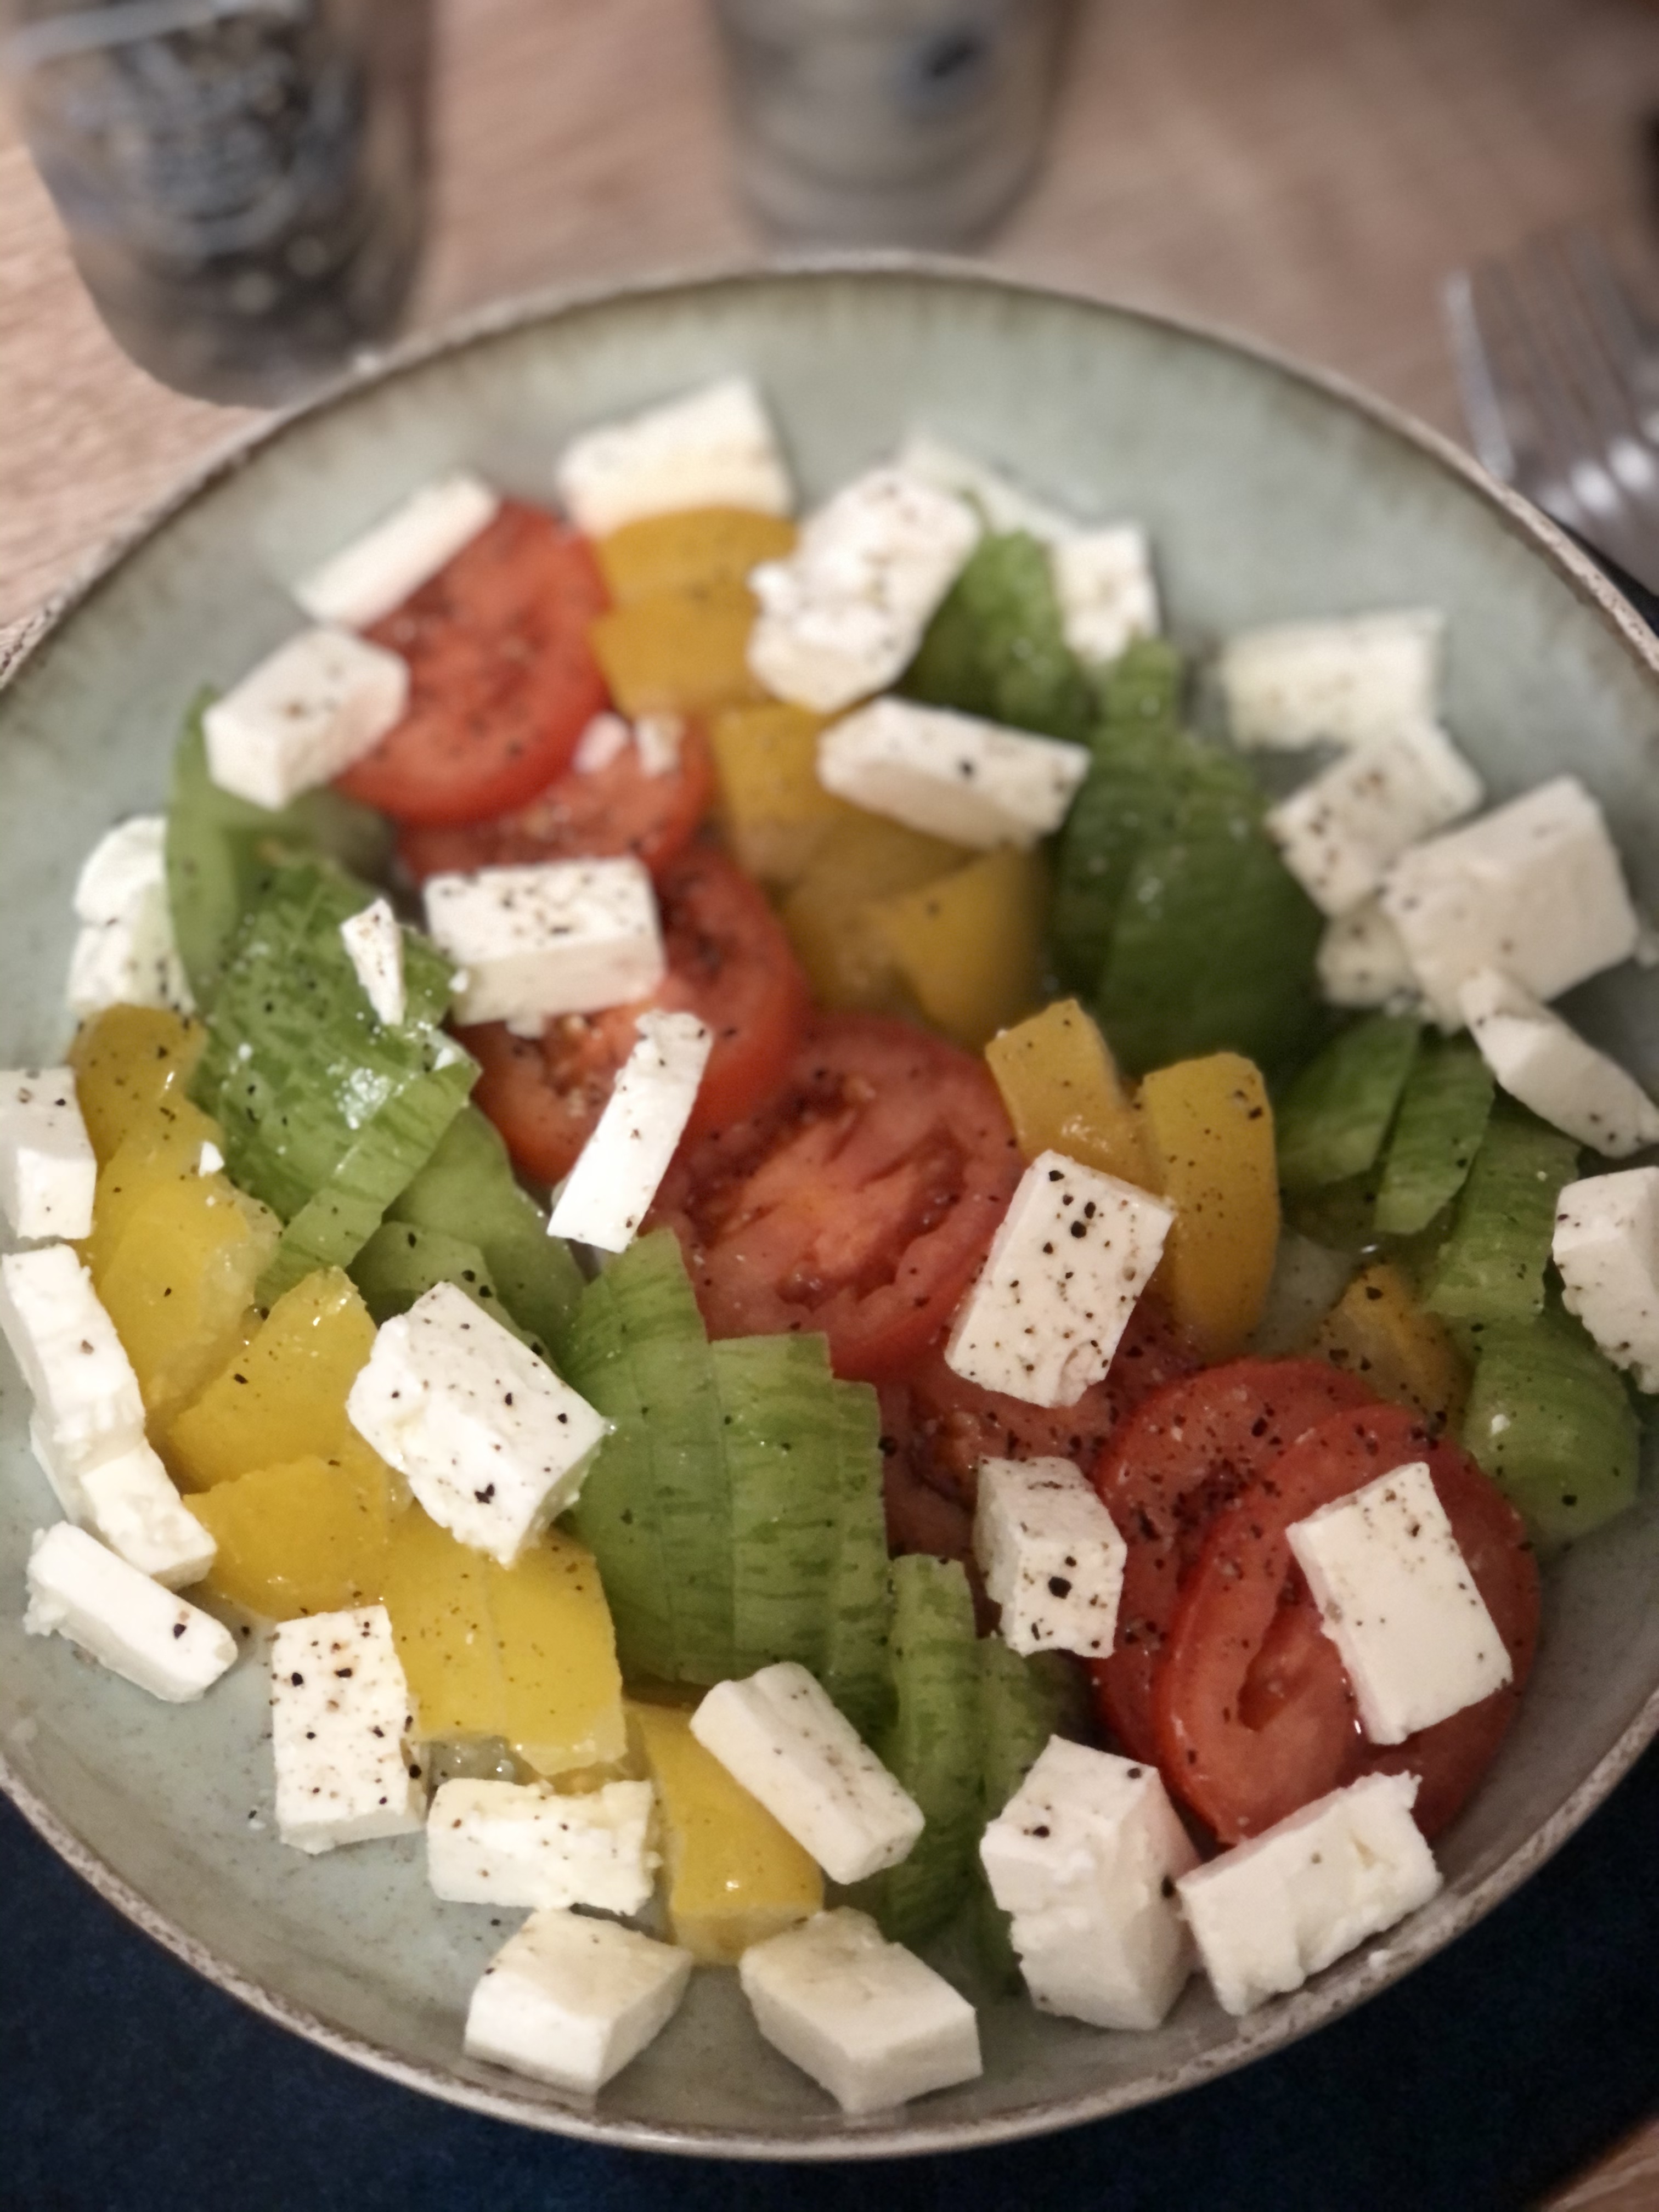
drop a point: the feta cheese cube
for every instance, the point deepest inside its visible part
(1396, 1597)
(130, 1504)
(1268, 1913)
(86, 1394)
(1362, 961)
(555, 937)
(1084, 1856)
(1051, 1554)
(125, 953)
(374, 946)
(844, 614)
(1606, 1247)
(950, 774)
(946, 468)
(501, 1842)
(1340, 832)
(1548, 1067)
(1074, 1251)
(569, 2000)
(209, 1159)
(1345, 681)
(609, 1191)
(1534, 888)
(864, 2017)
(305, 715)
(48, 1171)
(125, 1621)
(1106, 591)
(779, 1735)
(494, 1446)
(378, 571)
(339, 1712)
(715, 448)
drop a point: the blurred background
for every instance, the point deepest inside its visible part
(1304, 171)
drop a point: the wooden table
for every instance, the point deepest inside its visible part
(1303, 170)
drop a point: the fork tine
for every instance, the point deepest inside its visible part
(1549, 350)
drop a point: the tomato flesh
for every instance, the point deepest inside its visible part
(729, 962)
(502, 679)
(1253, 1711)
(599, 814)
(1186, 1453)
(859, 1200)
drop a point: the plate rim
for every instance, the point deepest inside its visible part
(891, 2135)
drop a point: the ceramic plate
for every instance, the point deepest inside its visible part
(1268, 493)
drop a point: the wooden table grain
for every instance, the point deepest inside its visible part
(1304, 171)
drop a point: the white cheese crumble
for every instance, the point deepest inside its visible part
(1268, 1913)
(951, 775)
(553, 937)
(569, 2000)
(1073, 1252)
(145, 1634)
(378, 571)
(715, 448)
(494, 1446)
(658, 738)
(86, 1399)
(1606, 1247)
(1396, 1597)
(604, 739)
(1362, 961)
(129, 1503)
(1106, 590)
(1083, 1857)
(1340, 832)
(1549, 1067)
(209, 1160)
(1535, 889)
(374, 946)
(609, 1192)
(844, 614)
(1051, 1555)
(48, 1171)
(125, 952)
(308, 711)
(1344, 681)
(865, 2018)
(779, 1734)
(509, 1844)
(339, 1713)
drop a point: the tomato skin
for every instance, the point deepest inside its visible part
(1186, 1453)
(503, 681)
(1253, 1711)
(584, 814)
(729, 962)
(952, 1423)
(859, 1200)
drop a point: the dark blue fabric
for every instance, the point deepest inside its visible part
(1498, 2069)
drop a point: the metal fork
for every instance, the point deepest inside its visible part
(1558, 362)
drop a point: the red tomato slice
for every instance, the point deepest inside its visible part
(502, 681)
(586, 814)
(729, 962)
(858, 1201)
(952, 1423)
(1253, 1712)
(1187, 1454)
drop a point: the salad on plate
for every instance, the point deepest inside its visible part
(849, 1273)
